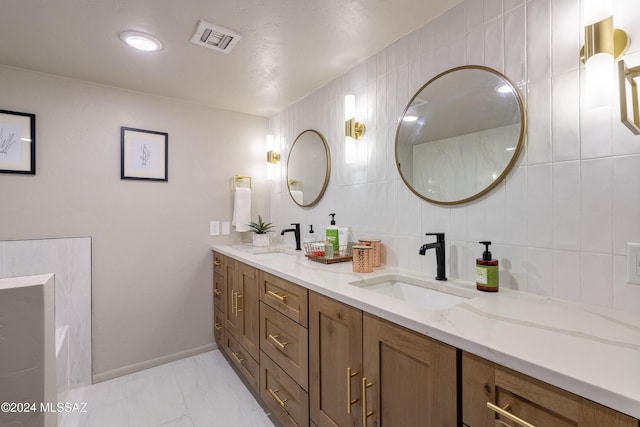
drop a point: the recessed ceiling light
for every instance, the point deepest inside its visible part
(141, 41)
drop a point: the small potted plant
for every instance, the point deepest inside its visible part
(260, 230)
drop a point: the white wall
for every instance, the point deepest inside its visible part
(561, 219)
(152, 273)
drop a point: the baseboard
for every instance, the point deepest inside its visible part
(130, 369)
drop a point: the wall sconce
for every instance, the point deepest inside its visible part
(603, 45)
(273, 157)
(352, 130)
(629, 105)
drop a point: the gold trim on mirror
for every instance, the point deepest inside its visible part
(297, 173)
(411, 124)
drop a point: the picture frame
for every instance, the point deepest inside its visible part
(143, 154)
(17, 142)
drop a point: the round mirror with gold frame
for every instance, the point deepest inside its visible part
(308, 168)
(460, 135)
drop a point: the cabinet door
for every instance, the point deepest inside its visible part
(335, 362)
(247, 308)
(410, 380)
(519, 397)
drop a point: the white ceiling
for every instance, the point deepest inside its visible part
(288, 49)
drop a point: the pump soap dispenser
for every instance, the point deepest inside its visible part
(487, 271)
(332, 234)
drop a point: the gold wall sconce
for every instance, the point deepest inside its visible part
(629, 104)
(273, 157)
(353, 130)
(603, 45)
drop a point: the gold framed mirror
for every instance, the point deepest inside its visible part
(308, 168)
(460, 135)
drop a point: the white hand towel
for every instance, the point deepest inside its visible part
(297, 196)
(242, 209)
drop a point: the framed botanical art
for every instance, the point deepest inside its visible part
(17, 142)
(143, 154)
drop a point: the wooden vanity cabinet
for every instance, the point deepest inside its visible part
(408, 379)
(236, 315)
(284, 345)
(523, 399)
(219, 298)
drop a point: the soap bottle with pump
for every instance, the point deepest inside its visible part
(310, 236)
(332, 234)
(487, 271)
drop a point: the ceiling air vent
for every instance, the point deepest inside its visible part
(215, 37)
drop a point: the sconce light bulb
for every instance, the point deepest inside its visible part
(349, 107)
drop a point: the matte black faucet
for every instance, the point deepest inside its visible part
(296, 231)
(440, 253)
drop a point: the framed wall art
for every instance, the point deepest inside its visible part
(143, 154)
(17, 142)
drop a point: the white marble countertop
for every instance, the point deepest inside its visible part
(588, 350)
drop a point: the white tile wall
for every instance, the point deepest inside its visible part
(561, 219)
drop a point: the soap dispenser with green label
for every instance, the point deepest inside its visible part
(487, 271)
(332, 233)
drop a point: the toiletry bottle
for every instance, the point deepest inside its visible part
(487, 271)
(332, 234)
(310, 237)
(344, 234)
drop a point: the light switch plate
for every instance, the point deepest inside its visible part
(633, 263)
(225, 228)
(214, 228)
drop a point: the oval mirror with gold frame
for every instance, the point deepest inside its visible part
(460, 135)
(308, 168)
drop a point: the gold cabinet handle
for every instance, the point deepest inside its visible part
(277, 296)
(238, 359)
(273, 394)
(217, 292)
(365, 414)
(275, 339)
(234, 302)
(238, 295)
(350, 402)
(217, 326)
(504, 412)
(217, 263)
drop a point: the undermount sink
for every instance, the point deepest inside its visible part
(423, 293)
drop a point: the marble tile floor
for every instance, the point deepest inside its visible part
(200, 391)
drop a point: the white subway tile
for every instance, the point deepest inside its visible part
(492, 9)
(457, 22)
(475, 46)
(516, 208)
(566, 116)
(539, 41)
(539, 211)
(540, 271)
(515, 48)
(597, 205)
(566, 205)
(539, 123)
(474, 13)
(494, 44)
(626, 296)
(626, 202)
(566, 32)
(567, 275)
(597, 279)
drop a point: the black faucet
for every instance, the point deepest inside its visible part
(296, 231)
(440, 253)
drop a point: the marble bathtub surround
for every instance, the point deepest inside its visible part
(588, 350)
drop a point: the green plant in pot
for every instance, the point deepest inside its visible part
(260, 230)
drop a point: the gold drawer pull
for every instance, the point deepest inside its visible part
(275, 396)
(238, 359)
(349, 401)
(234, 302)
(217, 263)
(277, 296)
(217, 326)
(365, 414)
(279, 343)
(217, 292)
(509, 415)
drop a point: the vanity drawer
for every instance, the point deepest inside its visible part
(286, 342)
(219, 292)
(247, 366)
(218, 264)
(286, 399)
(218, 328)
(286, 297)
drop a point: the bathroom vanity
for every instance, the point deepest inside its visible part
(324, 346)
